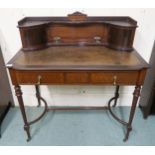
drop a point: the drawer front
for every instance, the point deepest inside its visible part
(77, 78)
(45, 77)
(114, 78)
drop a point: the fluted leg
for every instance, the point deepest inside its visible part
(136, 95)
(22, 109)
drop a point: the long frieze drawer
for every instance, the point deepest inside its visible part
(48, 77)
(114, 78)
(36, 77)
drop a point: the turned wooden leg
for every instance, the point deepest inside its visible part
(116, 96)
(38, 94)
(22, 109)
(136, 95)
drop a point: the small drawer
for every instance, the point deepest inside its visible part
(32, 77)
(114, 78)
(76, 78)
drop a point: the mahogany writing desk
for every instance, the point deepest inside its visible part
(77, 50)
(77, 65)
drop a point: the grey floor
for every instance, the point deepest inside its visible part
(70, 128)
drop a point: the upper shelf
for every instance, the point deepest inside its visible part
(77, 29)
(123, 21)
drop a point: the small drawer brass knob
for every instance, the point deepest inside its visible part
(97, 39)
(39, 80)
(57, 39)
(115, 80)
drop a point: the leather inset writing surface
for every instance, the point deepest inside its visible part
(73, 57)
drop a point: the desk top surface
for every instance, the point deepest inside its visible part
(77, 58)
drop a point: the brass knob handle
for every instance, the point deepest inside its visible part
(39, 80)
(57, 39)
(97, 39)
(115, 80)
